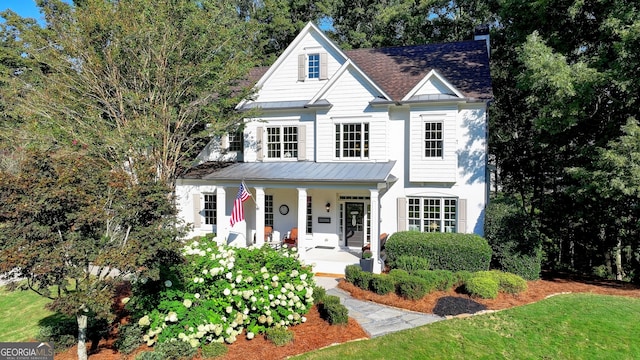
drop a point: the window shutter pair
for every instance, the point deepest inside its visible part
(461, 212)
(302, 143)
(302, 67)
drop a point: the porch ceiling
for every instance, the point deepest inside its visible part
(299, 171)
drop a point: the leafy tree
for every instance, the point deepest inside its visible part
(365, 23)
(74, 229)
(139, 80)
(278, 23)
(565, 79)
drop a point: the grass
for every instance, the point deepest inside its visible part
(20, 312)
(575, 326)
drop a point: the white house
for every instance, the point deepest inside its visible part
(348, 145)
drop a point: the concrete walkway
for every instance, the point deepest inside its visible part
(376, 319)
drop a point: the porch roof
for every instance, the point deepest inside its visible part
(298, 171)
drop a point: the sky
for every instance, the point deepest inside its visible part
(24, 8)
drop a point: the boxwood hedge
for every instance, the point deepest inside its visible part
(444, 251)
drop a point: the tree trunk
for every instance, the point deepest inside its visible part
(618, 256)
(82, 335)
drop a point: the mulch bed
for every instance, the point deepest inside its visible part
(317, 333)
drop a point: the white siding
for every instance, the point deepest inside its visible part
(433, 86)
(283, 119)
(426, 169)
(350, 98)
(283, 84)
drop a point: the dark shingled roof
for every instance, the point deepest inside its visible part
(397, 70)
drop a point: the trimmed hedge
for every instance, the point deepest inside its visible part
(411, 263)
(438, 279)
(444, 251)
(484, 286)
(382, 284)
(333, 311)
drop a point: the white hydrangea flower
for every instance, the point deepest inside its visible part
(172, 317)
(187, 303)
(250, 335)
(144, 321)
(226, 292)
(303, 277)
(196, 295)
(168, 283)
(229, 309)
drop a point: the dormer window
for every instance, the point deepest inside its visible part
(312, 66)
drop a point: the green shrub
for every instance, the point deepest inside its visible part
(437, 279)
(382, 284)
(411, 263)
(507, 282)
(484, 286)
(462, 276)
(363, 280)
(214, 350)
(351, 272)
(279, 336)
(223, 292)
(445, 251)
(129, 338)
(175, 350)
(333, 311)
(319, 293)
(412, 287)
(150, 355)
(515, 241)
(60, 329)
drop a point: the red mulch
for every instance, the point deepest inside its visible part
(317, 333)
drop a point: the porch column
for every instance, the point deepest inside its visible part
(222, 221)
(302, 222)
(375, 230)
(259, 216)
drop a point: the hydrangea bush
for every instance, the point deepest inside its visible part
(221, 291)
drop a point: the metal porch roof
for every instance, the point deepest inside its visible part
(299, 171)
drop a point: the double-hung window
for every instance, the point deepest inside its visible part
(313, 69)
(309, 216)
(432, 214)
(282, 142)
(235, 141)
(433, 141)
(352, 140)
(210, 211)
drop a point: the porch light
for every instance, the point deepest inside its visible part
(328, 207)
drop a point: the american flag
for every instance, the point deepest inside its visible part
(237, 214)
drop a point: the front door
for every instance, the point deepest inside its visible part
(354, 224)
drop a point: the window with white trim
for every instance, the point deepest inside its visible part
(268, 210)
(313, 68)
(432, 214)
(236, 141)
(282, 142)
(210, 209)
(352, 141)
(433, 142)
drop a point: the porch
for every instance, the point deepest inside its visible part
(331, 260)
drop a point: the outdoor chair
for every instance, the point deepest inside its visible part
(292, 239)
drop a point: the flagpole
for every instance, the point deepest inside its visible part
(250, 194)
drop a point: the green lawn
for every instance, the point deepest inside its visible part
(20, 312)
(575, 326)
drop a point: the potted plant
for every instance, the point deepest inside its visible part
(366, 262)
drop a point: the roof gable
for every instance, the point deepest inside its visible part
(398, 70)
(347, 66)
(433, 86)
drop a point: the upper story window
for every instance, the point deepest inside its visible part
(432, 214)
(210, 209)
(282, 142)
(236, 141)
(433, 142)
(314, 66)
(352, 141)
